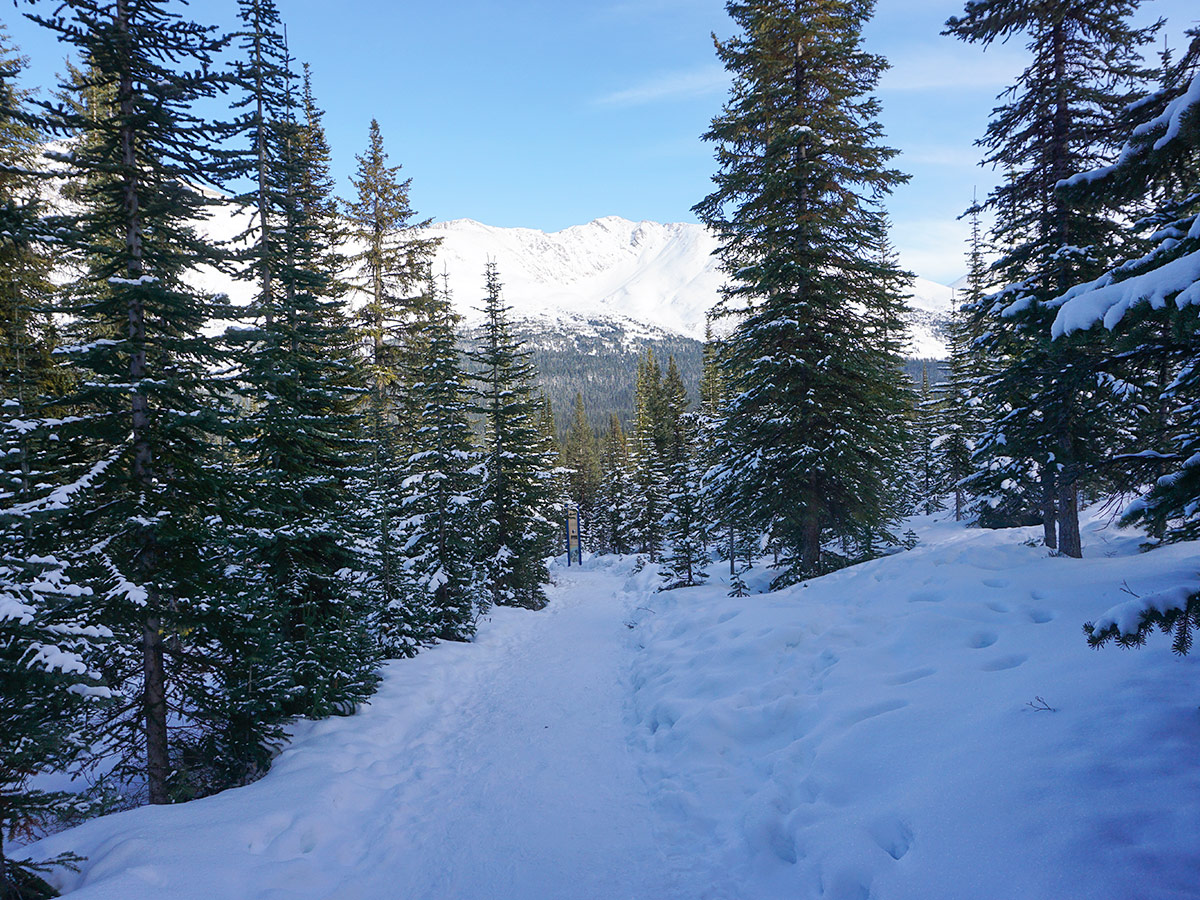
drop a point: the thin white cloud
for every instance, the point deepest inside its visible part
(952, 67)
(942, 156)
(932, 248)
(670, 86)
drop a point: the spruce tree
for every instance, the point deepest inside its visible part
(685, 559)
(298, 577)
(811, 429)
(959, 433)
(519, 517)
(1150, 303)
(614, 523)
(441, 485)
(581, 459)
(389, 273)
(648, 452)
(47, 634)
(930, 481)
(150, 402)
(1056, 121)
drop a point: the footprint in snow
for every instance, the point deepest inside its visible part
(926, 597)
(893, 835)
(911, 676)
(1040, 616)
(996, 582)
(981, 639)
(875, 709)
(1000, 663)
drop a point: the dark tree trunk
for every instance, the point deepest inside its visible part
(1068, 519)
(154, 689)
(1049, 511)
(810, 543)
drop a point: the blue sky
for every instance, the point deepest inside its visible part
(550, 113)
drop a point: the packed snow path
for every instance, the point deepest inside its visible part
(498, 770)
(927, 726)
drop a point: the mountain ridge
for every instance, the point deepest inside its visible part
(664, 276)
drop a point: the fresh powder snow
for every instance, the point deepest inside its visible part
(927, 725)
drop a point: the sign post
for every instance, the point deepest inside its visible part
(574, 545)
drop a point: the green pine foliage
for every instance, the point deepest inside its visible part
(812, 431)
(150, 404)
(1049, 418)
(521, 509)
(685, 560)
(1149, 303)
(649, 444)
(47, 633)
(389, 274)
(581, 459)
(960, 424)
(441, 479)
(930, 480)
(613, 528)
(307, 650)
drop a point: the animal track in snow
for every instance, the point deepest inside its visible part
(1000, 663)
(996, 582)
(875, 709)
(911, 676)
(893, 836)
(981, 639)
(926, 597)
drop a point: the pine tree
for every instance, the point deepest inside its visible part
(614, 523)
(46, 633)
(930, 480)
(961, 425)
(685, 559)
(307, 650)
(1057, 120)
(441, 478)
(648, 441)
(149, 402)
(811, 430)
(389, 272)
(581, 459)
(520, 510)
(1150, 304)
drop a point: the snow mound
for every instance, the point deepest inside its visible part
(929, 725)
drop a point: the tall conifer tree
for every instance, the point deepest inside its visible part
(614, 522)
(520, 509)
(149, 400)
(298, 577)
(46, 630)
(1150, 303)
(811, 424)
(389, 270)
(441, 483)
(1057, 120)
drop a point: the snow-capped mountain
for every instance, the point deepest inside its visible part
(632, 274)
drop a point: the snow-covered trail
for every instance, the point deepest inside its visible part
(495, 770)
(879, 733)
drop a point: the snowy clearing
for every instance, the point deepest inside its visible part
(928, 725)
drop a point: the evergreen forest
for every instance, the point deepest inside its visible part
(217, 519)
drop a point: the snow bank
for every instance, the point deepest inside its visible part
(930, 725)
